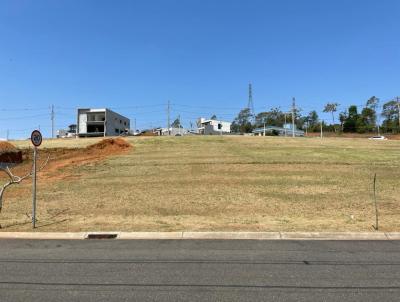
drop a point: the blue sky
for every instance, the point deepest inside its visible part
(134, 56)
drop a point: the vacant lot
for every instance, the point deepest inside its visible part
(216, 183)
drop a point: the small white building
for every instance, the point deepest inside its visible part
(101, 122)
(171, 131)
(209, 127)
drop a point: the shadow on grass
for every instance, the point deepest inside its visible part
(3, 227)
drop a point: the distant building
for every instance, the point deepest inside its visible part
(70, 132)
(171, 131)
(208, 127)
(101, 122)
(282, 131)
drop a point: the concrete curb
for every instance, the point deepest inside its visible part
(40, 235)
(232, 235)
(208, 235)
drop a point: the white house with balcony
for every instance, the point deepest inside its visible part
(209, 127)
(101, 122)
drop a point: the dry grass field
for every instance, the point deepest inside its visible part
(216, 183)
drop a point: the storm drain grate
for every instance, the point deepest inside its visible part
(101, 236)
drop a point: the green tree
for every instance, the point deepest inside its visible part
(274, 117)
(372, 103)
(176, 123)
(367, 120)
(350, 124)
(213, 117)
(242, 122)
(313, 121)
(332, 108)
(390, 112)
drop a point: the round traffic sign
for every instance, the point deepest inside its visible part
(36, 138)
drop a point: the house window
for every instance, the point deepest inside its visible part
(116, 130)
(219, 126)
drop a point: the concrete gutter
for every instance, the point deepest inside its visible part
(209, 235)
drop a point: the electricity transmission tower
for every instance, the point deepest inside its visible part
(250, 104)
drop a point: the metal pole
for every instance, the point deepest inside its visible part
(398, 107)
(321, 129)
(285, 124)
(8, 134)
(264, 129)
(52, 121)
(168, 119)
(379, 130)
(376, 205)
(179, 118)
(34, 188)
(293, 108)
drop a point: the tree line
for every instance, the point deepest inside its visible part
(368, 120)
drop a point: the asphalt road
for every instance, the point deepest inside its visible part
(196, 270)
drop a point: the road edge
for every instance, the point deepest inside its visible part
(205, 235)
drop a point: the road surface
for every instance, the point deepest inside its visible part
(199, 270)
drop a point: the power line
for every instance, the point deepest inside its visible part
(23, 117)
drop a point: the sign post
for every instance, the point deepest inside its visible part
(36, 139)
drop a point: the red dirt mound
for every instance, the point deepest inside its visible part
(110, 144)
(9, 153)
(64, 158)
(63, 161)
(7, 147)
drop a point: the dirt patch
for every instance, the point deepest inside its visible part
(62, 161)
(7, 147)
(9, 153)
(110, 145)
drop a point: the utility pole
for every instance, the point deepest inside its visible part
(285, 125)
(293, 112)
(52, 121)
(168, 118)
(264, 128)
(321, 128)
(8, 134)
(398, 108)
(134, 125)
(379, 130)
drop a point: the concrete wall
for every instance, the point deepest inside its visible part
(113, 123)
(82, 119)
(116, 123)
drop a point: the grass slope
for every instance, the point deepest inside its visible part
(220, 183)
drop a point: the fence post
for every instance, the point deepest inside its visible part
(376, 206)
